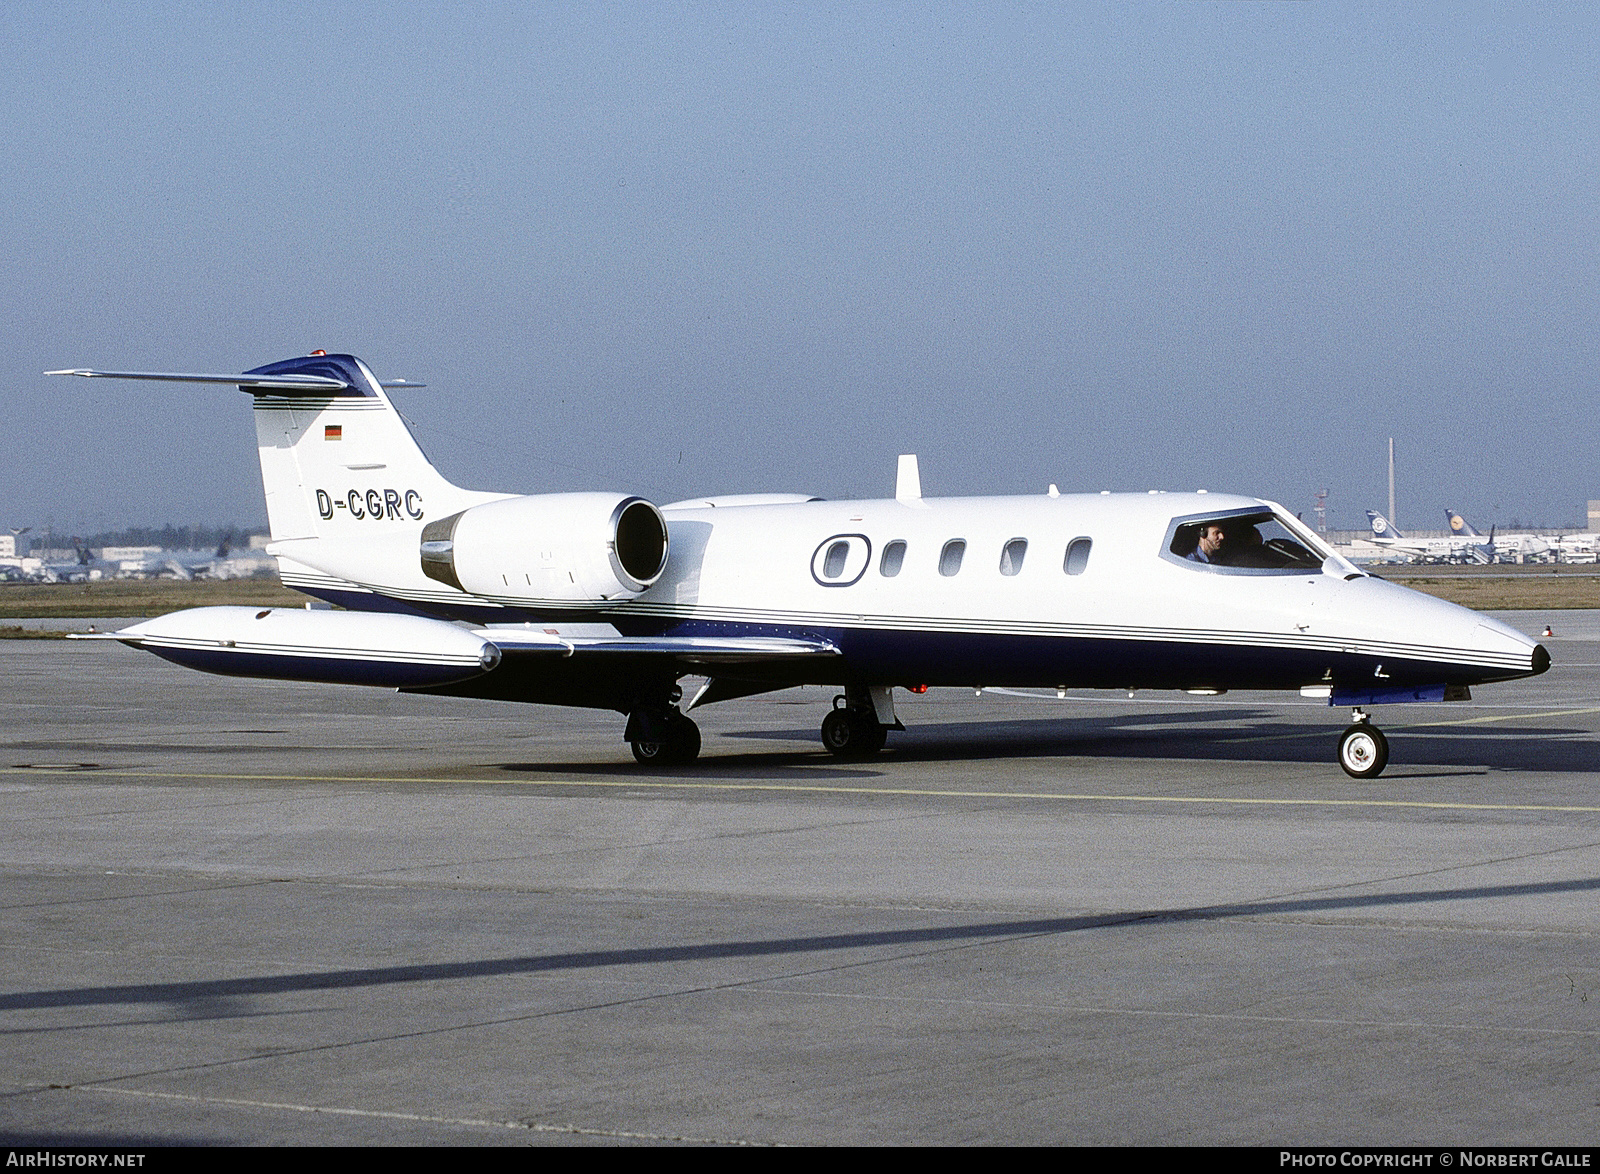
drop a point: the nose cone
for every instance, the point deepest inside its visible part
(1433, 639)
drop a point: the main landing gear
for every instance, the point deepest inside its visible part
(851, 730)
(662, 737)
(1363, 750)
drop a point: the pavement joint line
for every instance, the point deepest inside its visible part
(821, 789)
(612, 1004)
(424, 1118)
(1505, 717)
(1152, 1013)
(1409, 726)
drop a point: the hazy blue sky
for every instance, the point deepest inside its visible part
(679, 250)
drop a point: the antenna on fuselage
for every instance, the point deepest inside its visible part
(908, 480)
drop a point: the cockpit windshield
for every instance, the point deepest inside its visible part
(1249, 542)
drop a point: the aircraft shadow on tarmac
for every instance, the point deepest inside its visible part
(207, 998)
(1234, 735)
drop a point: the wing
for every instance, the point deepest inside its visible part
(594, 665)
(583, 664)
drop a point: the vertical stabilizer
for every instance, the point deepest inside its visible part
(1382, 531)
(1459, 526)
(340, 462)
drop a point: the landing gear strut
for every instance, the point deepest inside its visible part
(1363, 750)
(852, 731)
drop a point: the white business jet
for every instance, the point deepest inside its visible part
(606, 600)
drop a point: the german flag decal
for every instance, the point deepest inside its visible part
(332, 431)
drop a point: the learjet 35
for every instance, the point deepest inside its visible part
(606, 600)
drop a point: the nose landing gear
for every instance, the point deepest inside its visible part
(1363, 750)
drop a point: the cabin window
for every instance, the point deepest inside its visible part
(841, 560)
(1011, 556)
(950, 557)
(893, 556)
(1256, 542)
(1077, 556)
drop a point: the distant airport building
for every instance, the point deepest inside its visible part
(11, 546)
(1594, 517)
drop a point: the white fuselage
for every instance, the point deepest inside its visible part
(1132, 614)
(755, 567)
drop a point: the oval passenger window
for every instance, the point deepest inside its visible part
(1077, 555)
(841, 559)
(950, 557)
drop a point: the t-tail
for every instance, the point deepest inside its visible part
(337, 461)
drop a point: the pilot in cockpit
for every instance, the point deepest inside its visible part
(1253, 542)
(1209, 548)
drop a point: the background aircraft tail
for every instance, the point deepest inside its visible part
(1459, 526)
(1381, 529)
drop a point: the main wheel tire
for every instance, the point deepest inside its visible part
(685, 740)
(880, 736)
(851, 736)
(681, 745)
(652, 753)
(1363, 751)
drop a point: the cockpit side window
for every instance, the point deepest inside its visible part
(1243, 542)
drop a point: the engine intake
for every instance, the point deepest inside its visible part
(560, 547)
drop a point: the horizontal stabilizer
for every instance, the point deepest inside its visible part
(285, 382)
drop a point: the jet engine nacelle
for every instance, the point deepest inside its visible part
(567, 547)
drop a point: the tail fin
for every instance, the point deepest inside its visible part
(340, 462)
(337, 461)
(1381, 529)
(1459, 526)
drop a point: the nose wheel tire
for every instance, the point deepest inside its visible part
(681, 745)
(1363, 751)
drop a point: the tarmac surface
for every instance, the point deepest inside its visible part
(243, 912)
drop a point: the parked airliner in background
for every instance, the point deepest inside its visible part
(608, 601)
(1515, 548)
(1455, 549)
(1578, 548)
